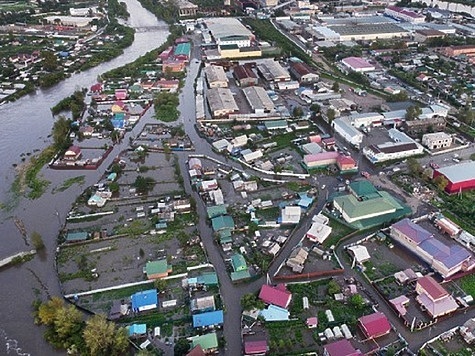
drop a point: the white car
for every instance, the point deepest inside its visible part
(323, 186)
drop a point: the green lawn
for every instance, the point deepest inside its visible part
(467, 283)
(117, 294)
(339, 231)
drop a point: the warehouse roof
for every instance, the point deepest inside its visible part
(358, 209)
(258, 99)
(215, 74)
(223, 28)
(243, 72)
(459, 172)
(221, 99)
(272, 70)
(368, 29)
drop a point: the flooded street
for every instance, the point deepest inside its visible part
(26, 125)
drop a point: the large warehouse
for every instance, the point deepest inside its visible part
(229, 31)
(460, 176)
(221, 102)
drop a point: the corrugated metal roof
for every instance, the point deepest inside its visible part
(459, 172)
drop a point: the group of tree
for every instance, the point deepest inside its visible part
(74, 103)
(249, 301)
(66, 329)
(467, 115)
(166, 107)
(143, 184)
(413, 112)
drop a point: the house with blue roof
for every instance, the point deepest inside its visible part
(137, 330)
(144, 300)
(208, 320)
(274, 313)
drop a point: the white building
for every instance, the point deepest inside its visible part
(365, 119)
(318, 232)
(344, 128)
(291, 215)
(437, 140)
(404, 15)
(402, 146)
(229, 31)
(250, 156)
(259, 100)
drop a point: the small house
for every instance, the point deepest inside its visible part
(157, 269)
(73, 153)
(144, 300)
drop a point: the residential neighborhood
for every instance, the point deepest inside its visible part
(273, 178)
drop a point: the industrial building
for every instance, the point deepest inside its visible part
(272, 71)
(460, 176)
(216, 77)
(245, 76)
(368, 32)
(404, 15)
(221, 102)
(357, 64)
(402, 146)
(302, 73)
(259, 100)
(229, 31)
(343, 127)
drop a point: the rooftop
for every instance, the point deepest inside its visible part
(208, 319)
(432, 288)
(273, 295)
(459, 172)
(207, 341)
(375, 325)
(221, 28)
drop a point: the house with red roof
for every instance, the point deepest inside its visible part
(120, 94)
(72, 153)
(433, 298)
(346, 164)
(258, 347)
(96, 88)
(341, 348)
(279, 295)
(374, 325)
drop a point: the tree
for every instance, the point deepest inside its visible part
(315, 108)
(103, 338)
(336, 87)
(333, 288)
(160, 284)
(116, 168)
(441, 182)
(49, 60)
(143, 184)
(60, 133)
(37, 241)
(467, 115)
(67, 322)
(114, 187)
(249, 301)
(297, 112)
(182, 346)
(357, 301)
(331, 114)
(414, 166)
(47, 311)
(413, 112)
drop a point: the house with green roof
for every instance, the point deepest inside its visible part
(276, 125)
(208, 342)
(239, 263)
(77, 236)
(365, 206)
(216, 210)
(222, 222)
(157, 269)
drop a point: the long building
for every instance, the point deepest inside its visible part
(221, 102)
(259, 100)
(229, 31)
(272, 71)
(216, 77)
(460, 176)
(343, 127)
(402, 146)
(367, 32)
(404, 15)
(445, 259)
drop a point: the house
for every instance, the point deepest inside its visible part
(144, 300)
(208, 320)
(120, 94)
(196, 351)
(320, 160)
(274, 313)
(297, 259)
(318, 232)
(137, 330)
(346, 164)
(433, 298)
(208, 342)
(238, 262)
(73, 153)
(216, 210)
(157, 269)
(357, 64)
(291, 215)
(400, 304)
(436, 140)
(374, 325)
(222, 222)
(256, 347)
(279, 295)
(203, 280)
(203, 304)
(312, 322)
(360, 253)
(340, 348)
(467, 330)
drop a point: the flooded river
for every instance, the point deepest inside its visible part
(25, 126)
